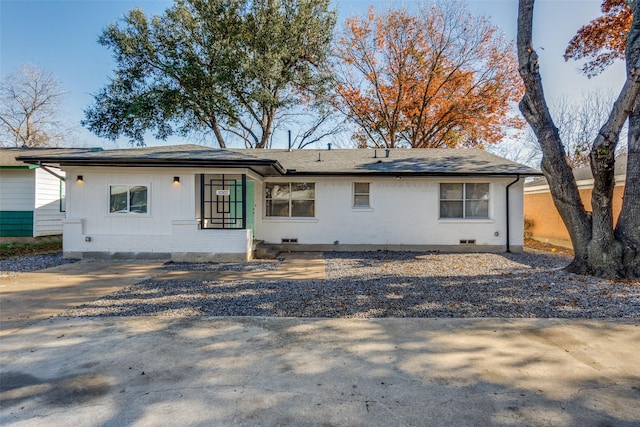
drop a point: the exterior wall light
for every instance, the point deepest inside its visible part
(176, 179)
(79, 178)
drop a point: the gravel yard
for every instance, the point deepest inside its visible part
(386, 284)
(15, 265)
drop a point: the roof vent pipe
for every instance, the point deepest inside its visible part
(387, 152)
(329, 146)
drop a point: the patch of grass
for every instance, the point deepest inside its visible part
(11, 250)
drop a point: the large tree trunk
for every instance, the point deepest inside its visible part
(628, 227)
(613, 253)
(533, 106)
(598, 250)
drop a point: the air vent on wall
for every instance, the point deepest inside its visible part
(289, 240)
(468, 242)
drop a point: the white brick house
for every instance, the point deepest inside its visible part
(192, 203)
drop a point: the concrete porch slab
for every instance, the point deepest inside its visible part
(295, 266)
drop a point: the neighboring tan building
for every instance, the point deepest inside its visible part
(195, 203)
(542, 220)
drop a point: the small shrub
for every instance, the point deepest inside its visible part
(528, 225)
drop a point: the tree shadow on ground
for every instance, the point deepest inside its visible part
(512, 291)
(267, 371)
(200, 370)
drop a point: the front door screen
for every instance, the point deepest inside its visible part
(223, 201)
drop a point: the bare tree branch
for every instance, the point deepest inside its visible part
(30, 109)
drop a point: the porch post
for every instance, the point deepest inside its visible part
(244, 201)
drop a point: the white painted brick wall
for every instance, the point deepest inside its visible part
(403, 212)
(185, 237)
(170, 225)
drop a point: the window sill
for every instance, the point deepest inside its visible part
(466, 221)
(128, 215)
(290, 219)
(362, 209)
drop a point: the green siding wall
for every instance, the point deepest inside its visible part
(16, 223)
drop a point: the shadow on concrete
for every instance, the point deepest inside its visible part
(153, 370)
(267, 371)
(27, 298)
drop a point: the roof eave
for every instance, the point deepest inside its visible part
(118, 162)
(412, 174)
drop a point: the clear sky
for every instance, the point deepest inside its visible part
(61, 37)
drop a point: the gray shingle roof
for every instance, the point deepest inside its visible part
(173, 153)
(400, 162)
(584, 173)
(302, 162)
(8, 155)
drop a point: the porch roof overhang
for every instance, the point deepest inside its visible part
(169, 157)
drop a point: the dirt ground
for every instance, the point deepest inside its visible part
(535, 244)
(12, 250)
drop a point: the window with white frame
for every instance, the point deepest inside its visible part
(361, 195)
(128, 199)
(464, 200)
(290, 199)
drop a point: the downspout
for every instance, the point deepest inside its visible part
(44, 168)
(508, 186)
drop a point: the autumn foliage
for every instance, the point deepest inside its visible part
(602, 40)
(438, 78)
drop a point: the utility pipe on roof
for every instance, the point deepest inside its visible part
(508, 186)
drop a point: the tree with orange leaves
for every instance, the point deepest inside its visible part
(438, 78)
(602, 40)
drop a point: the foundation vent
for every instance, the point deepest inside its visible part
(468, 242)
(289, 240)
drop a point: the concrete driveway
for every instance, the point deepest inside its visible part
(147, 371)
(27, 298)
